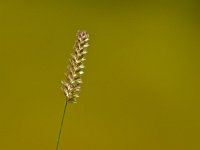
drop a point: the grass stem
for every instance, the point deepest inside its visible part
(61, 126)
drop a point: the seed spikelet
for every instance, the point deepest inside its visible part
(71, 87)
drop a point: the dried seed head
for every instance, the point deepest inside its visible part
(75, 67)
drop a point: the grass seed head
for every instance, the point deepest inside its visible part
(71, 87)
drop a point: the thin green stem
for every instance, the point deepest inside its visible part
(61, 125)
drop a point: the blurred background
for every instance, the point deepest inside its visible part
(141, 86)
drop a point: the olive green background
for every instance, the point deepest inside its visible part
(141, 86)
